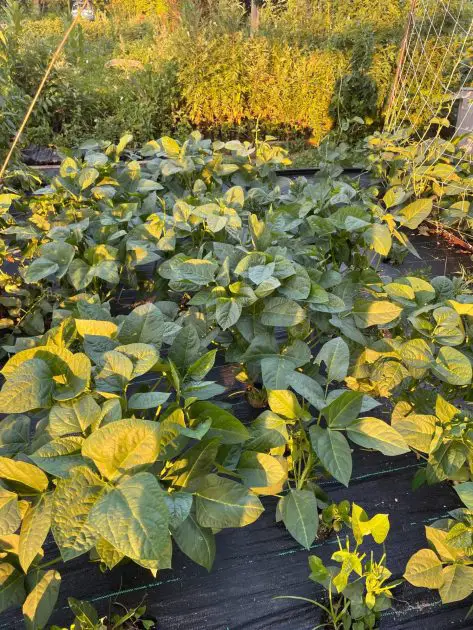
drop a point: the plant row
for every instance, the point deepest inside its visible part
(119, 438)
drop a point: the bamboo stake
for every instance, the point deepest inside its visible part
(37, 94)
(401, 57)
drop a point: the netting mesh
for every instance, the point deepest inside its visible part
(435, 65)
(433, 87)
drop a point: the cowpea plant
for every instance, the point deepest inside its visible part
(82, 441)
(425, 367)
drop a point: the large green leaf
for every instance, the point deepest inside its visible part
(29, 387)
(134, 517)
(12, 586)
(343, 410)
(298, 510)
(185, 349)
(72, 502)
(333, 451)
(223, 503)
(22, 477)
(280, 311)
(266, 432)
(9, 512)
(195, 463)
(377, 434)
(262, 473)
(145, 324)
(41, 599)
(225, 427)
(307, 387)
(375, 313)
(14, 435)
(452, 366)
(228, 312)
(34, 529)
(59, 456)
(465, 492)
(73, 416)
(335, 355)
(123, 446)
(196, 542)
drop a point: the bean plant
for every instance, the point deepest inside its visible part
(121, 410)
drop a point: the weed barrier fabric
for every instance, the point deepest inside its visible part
(261, 561)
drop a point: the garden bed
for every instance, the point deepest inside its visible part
(280, 282)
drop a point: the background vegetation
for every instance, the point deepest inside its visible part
(158, 66)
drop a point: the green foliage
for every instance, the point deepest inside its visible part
(113, 410)
(155, 67)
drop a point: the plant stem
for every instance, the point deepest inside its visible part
(50, 563)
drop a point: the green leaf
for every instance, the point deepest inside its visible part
(23, 477)
(262, 473)
(452, 366)
(14, 435)
(343, 410)
(12, 586)
(424, 569)
(200, 368)
(375, 313)
(465, 492)
(279, 311)
(457, 583)
(41, 600)
(115, 374)
(139, 527)
(59, 456)
(123, 446)
(29, 387)
(225, 427)
(266, 432)
(223, 503)
(179, 506)
(333, 451)
(72, 502)
(185, 349)
(145, 324)
(148, 400)
(73, 416)
(9, 512)
(377, 434)
(275, 371)
(195, 463)
(228, 312)
(336, 356)
(196, 542)
(414, 213)
(34, 529)
(307, 388)
(299, 513)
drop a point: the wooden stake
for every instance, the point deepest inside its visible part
(38, 92)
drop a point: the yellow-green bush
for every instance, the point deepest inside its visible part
(237, 80)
